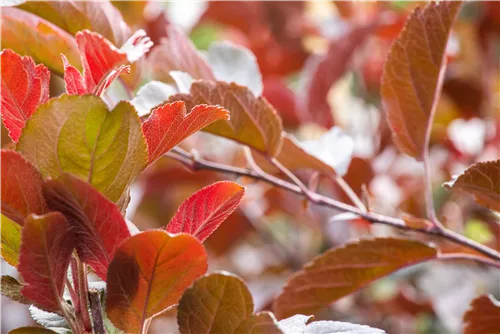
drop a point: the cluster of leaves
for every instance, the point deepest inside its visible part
(68, 174)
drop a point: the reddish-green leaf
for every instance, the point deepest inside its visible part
(413, 75)
(202, 213)
(254, 122)
(216, 303)
(24, 87)
(11, 288)
(73, 16)
(21, 187)
(30, 35)
(11, 241)
(79, 135)
(46, 247)
(102, 61)
(148, 274)
(177, 53)
(342, 271)
(483, 181)
(169, 124)
(483, 316)
(260, 323)
(132, 11)
(99, 225)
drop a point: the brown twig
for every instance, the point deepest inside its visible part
(202, 164)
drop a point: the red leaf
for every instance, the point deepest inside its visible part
(148, 274)
(21, 187)
(205, 210)
(108, 80)
(24, 87)
(168, 125)
(98, 223)
(46, 246)
(102, 61)
(483, 316)
(413, 75)
(73, 80)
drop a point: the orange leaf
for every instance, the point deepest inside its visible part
(21, 187)
(31, 35)
(99, 225)
(216, 303)
(46, 246)
(483, 316)
(254, 122)
(413, 75)
(24, 87)
(202, 213)
(168, 125)
(483, 181)
(344, 270)
(148, 274)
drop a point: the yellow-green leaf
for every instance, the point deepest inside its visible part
(30, 35)
(11, 241)
(78, 135)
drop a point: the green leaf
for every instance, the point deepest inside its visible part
(11, 241)
(11, 288)
(78, 135)
(216, 303)
(344, 270)
(30, 35)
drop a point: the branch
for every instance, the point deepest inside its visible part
(96, 309)
(197, 163)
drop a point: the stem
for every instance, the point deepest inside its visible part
(96, 310)
(350, 193)
(311, 196)
(201, 164)
(429, 201)
(83, 293)
(147, 323)
(70, 319)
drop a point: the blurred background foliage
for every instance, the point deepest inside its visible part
(274, 232)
